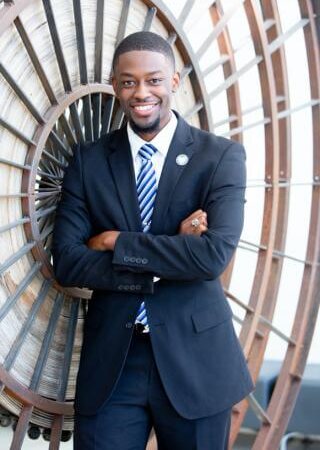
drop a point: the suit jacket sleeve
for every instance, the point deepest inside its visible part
(73, 262)
(187, 257)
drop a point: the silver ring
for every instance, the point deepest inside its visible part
(195, 223)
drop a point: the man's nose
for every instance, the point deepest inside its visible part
(141, 91)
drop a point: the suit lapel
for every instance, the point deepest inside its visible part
(121, 164)
(181, 145)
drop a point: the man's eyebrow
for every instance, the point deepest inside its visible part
(128, 74)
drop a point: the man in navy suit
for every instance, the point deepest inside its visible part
(159, 345)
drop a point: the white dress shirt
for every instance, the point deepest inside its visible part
(161, 141)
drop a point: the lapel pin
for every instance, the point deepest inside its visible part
(182, 159)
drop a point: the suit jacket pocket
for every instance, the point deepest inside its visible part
(211, 316)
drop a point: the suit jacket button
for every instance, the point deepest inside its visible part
(129, 325)
(144, 260)
(138, 260)
(120, 287)
(126, 258)
(125, 287)
(132, 259)
(138, 287)
(132, 287)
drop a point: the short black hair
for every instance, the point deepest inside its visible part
(144, 40)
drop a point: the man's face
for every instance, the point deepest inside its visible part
(144, 81)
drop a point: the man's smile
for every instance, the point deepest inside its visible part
(145, 109)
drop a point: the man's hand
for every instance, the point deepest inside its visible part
(103, 241)
(195, 224)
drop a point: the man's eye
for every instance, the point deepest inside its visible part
(155, 80)
(127, 83)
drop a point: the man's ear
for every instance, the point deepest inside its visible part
(114, 85)
(175, 82)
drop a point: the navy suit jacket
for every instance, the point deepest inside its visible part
(197, 352)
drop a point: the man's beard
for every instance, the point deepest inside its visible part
(155, 126)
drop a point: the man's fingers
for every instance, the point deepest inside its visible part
(195, 224)
(204, 221)
(199, 219)
(187, 228)
(194, 215)
(197, 214)
(199, 230)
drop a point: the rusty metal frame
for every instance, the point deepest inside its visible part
(275, 71)
(288, 383)
(33, 158)
(233, 96)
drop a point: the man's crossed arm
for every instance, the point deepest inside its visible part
(107, 240)
(113, 258)
(81, 265)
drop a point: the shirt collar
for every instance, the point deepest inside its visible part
(161, 141)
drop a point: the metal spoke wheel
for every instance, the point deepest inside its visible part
(55, 91)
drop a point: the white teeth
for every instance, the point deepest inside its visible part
(143, 108)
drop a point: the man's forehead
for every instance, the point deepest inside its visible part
(156, 60)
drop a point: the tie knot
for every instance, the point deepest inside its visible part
(147, 151)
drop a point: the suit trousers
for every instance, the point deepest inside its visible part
(137, 404)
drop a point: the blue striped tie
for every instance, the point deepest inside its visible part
(147, 190)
